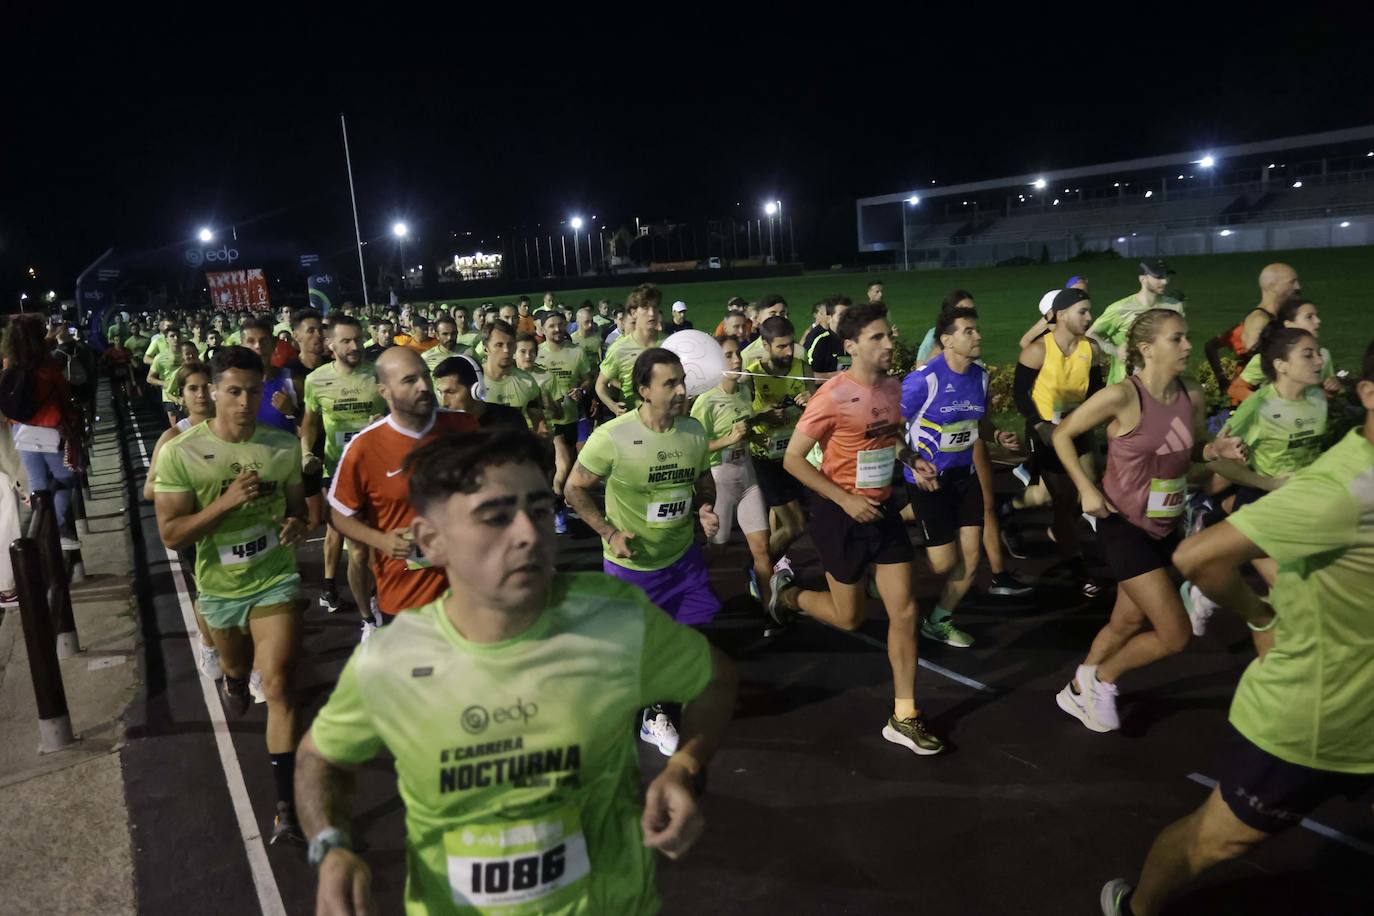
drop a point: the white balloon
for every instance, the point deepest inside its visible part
(703, 362)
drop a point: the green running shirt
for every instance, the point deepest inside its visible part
(567, 368)
(1281, 436)
(619, 363)
(1114, 324)
(518, 389)
(515, 760)
(242, 556)
(650, 478)
(718, 412)
(1311, 700)
(346, 404)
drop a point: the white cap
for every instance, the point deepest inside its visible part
(1047, 302)
(679, 306)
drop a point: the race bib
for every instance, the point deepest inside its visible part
(416, 559)
(248, 546)
(776, 446)
(345, 436)
(522, 867)
(958, 437)
(1167, 496)
(673, 509)
(873, 468)
(735, 455)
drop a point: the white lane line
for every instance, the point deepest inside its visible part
(938, 669)
(264, 881)
(1306, 823)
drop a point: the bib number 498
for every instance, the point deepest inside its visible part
(249, 550)
(519, 874)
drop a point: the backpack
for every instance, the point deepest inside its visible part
(17, 400)
(73, 367)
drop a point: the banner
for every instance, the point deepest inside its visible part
(95, 297)
(319, 283)
(237, 290)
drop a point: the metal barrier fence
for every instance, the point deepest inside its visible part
(45, 610)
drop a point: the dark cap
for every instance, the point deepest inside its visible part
(736, 300)
(1155, 267)
(1063, 299)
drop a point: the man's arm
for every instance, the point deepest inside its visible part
(1212, 561)
(180, 525)
(324, 799)
(577, 493)
(1250, 330)
(392, 544)
(603, 392)
(1036, 331)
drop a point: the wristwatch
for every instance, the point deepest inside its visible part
(327, 839)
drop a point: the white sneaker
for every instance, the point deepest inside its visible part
(784, 563)
(1084, 705)
(209, 662)
(1200, 608)
(657, 729)
(70, 543)
(1022, 473)
(1091, 520)
(368, 629)
(1104, 705)
(255, 687)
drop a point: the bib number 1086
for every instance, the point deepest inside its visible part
(519, 873)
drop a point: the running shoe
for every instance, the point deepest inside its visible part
(753, 583)
(368, 629)
(657, 729)
(329, 600)
(946, 632)
(782, 577)
(1089, 587)
(1091, 520)
(285, 827)
(209, 662)
(236, 696)
(912, 735)
(1011, 541)
(1022, 473)
(255, 687)
(1200, 608)
(9, 599)
(1113, 897)
(1007, 585)
(70, 543)
(560, 522)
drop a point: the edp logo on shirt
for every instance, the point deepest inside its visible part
(475, 719)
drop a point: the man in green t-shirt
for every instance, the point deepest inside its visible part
(157, 343)
(587, 335)
(617, 367)
(446, 333)
(232, 490)
(569, 380)
(1303, 714)
(137, 342)
(341, 398)
(163, 369)
(1111, 328)
(505, 383)
(522, 798)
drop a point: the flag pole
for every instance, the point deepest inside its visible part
(357, 233)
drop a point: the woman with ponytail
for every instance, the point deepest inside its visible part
(1155, 421)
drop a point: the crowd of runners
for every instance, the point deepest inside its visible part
(446, 451)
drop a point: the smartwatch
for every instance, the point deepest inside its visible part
(327, 839)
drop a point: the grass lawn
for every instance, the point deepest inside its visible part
(1219, 290)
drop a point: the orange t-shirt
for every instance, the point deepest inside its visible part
(526, 325)
(859, 429)
(418, 347)
(371, 484)
(748, 329)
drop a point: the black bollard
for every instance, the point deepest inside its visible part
(54, 723)
(44, 529)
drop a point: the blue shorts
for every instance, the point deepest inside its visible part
(682, 588)
(584, 429)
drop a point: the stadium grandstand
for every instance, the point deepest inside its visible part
(1310, 191)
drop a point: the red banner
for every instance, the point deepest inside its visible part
(239, 290)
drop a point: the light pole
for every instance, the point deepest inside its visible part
(913, 200)
(401, 230)
(771, 208)
(206, 235)
(577, 224)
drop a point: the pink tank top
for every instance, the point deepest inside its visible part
(1147, 469)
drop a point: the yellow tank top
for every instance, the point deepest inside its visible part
(1063, 380)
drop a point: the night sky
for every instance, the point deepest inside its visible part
(138, 155)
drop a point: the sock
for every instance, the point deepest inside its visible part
(329, 587)
(903, 709)
(940, 615)
(1085, 677)
(284, 777)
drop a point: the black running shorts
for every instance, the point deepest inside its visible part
(779, 487)
(1130, 551)
(957, 504)
(1271, 794)
(847, 548)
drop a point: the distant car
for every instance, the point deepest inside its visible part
(713, 263)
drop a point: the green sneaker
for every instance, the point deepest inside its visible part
(911, 734)
(946, 632)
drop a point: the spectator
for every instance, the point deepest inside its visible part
(680, 322)
(11, 475)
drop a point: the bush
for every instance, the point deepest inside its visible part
(1214, 393)
(1092, 254)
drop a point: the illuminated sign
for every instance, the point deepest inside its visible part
(477, 266)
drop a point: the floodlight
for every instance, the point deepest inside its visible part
(1345, 224)
(1121, 238)
(770, 208)
(23, 296)
(1149, 193)
(479, 254)
(914, 199)
(400, 230)
(1206, 162)
(1056, 201)
(576, 222)
(206, 235)
(1225, 232)
(1039, 184)
(1297, 184)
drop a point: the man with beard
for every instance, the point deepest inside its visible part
(369, 495)
(1111, 328)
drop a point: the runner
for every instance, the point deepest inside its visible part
(459, 385)
(856, 418)
(446, 343)
(312, 351)
(279, 401)
(781, 391)
(550, 665)
(770, 306)
(653, 460)
(1301, 315)
(163, 367)
(157, 344)
(565, 391)
(1054, 375)
(1155, 424)
(617, 368)
(1112, 328)
(929, 347)
(588, 335)
(193, 379)
(385, 336)
(1279, 285)
(826, 356)
(1300, 717)
(945, 406)
(724, 412)
(369, 499)
(341, 400)
(465, 336)
(232, 489)
(505, 383)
